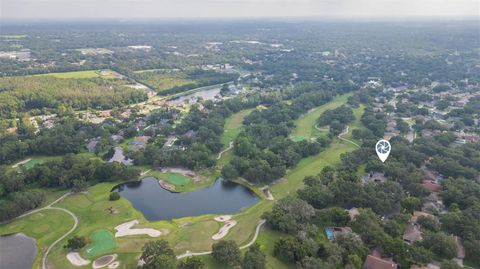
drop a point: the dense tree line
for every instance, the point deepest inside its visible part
(336, 118)
(19, 94)
(71, 172)
(66, 137)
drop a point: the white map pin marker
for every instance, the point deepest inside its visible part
(383, 149)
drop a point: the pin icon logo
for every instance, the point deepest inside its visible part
(383, 149)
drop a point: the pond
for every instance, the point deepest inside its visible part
(222, 197)
(205, 95)
(17, 251)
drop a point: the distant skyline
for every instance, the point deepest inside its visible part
(168, 9)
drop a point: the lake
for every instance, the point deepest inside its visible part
(17, 251)
(205, 95)
(222, 197)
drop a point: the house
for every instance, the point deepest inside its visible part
(332, 232)
(412, 233)
(373, 262)
(418, 214)
(433, 203)
(375, 177)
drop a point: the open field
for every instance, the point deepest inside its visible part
(305, 125)
(75, 74)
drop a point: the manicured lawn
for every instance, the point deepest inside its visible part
(45, 226)
(234, 125)
(102, 242)
(305, 125)
(356, 124)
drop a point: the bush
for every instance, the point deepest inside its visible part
(76, 243)
(114, 196)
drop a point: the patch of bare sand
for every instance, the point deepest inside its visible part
(224, 230)
(125, 229)
(76, 260)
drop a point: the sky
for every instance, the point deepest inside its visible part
(165, 9)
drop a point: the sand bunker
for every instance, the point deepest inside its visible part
(114, 265)
(223, 218)
(182, 171)
(125, 230)
(266, 192)
(104, 261)
(224, 230)
(75, 259)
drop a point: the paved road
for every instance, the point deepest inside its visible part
(257, 231)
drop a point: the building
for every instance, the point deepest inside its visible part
(375, 177)
(332, 232)
(412, 233)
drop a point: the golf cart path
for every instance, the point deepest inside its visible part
(344, 132)
(51, 207)
(230, 146)
(257, 231)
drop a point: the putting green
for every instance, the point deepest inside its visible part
(32, 163)
(102, 242)
(177, 179)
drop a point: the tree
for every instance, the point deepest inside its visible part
(76, 243)
(192, 262)
(289, 214)
(289, 250)
(158, 254)
(440, 244)
(226, 252)
(114, 196)
(254, 258)
(411, 204)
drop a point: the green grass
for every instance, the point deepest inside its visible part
(305, 125)
(30, 164)
(45, 226)
(356, 124)
(233, 126)
(79, 74)
(189, 233)
(177, 179)
(102, 242)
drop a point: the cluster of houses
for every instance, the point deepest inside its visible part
(432, 206)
